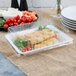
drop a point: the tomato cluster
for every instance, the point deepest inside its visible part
(27, 49)
(18, 21)
(32, 15)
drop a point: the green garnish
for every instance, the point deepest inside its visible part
(55, 31)
(2, 22)
(21, 43)
(45, 27)
(42, 27)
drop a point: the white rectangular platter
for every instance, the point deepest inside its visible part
(63, 39)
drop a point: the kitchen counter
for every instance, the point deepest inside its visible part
(56, 62)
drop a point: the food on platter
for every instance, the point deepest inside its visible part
(12, 9)
(31, 15)
(9, 9)
(22, 44)
(47, 42)
(11, 14)
(58, 40)
(13, 17)
(17, 21)
(38, 39)
(2, 22)
(1, 10)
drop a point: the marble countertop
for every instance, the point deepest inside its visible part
(7, 68)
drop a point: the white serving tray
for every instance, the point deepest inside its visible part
(63, 39)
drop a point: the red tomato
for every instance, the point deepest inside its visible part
(19, 21)
(15, 24)
(17, 17)
(22, 23)
(33, 16)
(24, 50)
(29, 19)
(5, 26)
(13, 20)
(55, 36)
(32, 20)
(7, 21)
(11, 24)
(28, 22)
(29, 48)
(23, 19)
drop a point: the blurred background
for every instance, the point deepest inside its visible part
(39, 4)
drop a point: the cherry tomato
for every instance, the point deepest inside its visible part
(13, 20)
(24, 50)
(7, 21)
(29, 48)
(23, 19)
(5, 26)
(33, 16)
(33, 19)
(15, 24)
(28, 22)
(11, 24)
(22, 23)
(19, 21)
(28, 19)
(17, 17)
(55, 36)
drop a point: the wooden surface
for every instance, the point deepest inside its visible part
(56, 62)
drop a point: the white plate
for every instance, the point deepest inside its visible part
(68, 19)
(63, 39)
(69, 23)
(69, 12)
(68, 26)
